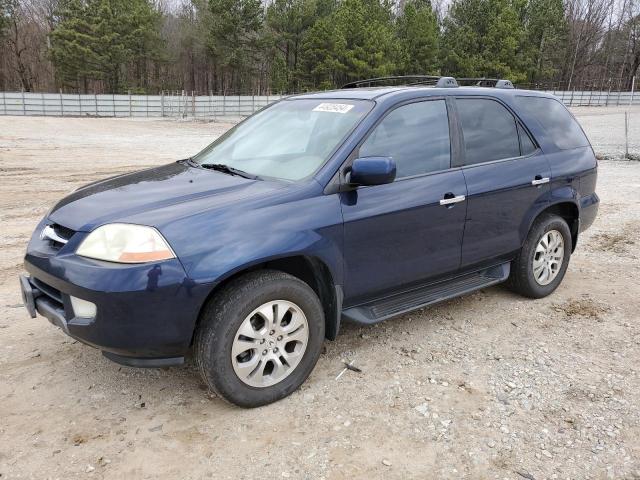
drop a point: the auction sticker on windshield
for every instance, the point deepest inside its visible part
(333, 107)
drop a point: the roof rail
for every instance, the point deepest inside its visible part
(487, 82)
(446, 82)
(504, 84)
(400, 79)
(429, 80)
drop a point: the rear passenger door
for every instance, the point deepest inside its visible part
(400, 233)
(506, 175)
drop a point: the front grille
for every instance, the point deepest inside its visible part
(57, 235)
(48, 290)
(63, 232)
(49, 303)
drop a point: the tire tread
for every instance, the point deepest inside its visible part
(217, 310)
(519, 280)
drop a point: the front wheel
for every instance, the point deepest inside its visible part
(543, 260)
(259, 338)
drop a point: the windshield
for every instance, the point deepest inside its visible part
(289, 140)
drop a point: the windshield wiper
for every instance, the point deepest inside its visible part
(221, 167)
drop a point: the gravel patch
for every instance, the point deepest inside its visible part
(487, 386)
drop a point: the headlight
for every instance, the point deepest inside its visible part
(125, 243)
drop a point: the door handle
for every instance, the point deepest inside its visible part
(450, 199)
(539, 180)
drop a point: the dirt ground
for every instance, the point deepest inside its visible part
(489, 386)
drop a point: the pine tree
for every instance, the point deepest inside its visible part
(288, 22)
(367, 29)
(96, 39)
(234, 42)
(322, 54)
(544, 37)
(355, 41)
(417, 34)
(483, 38)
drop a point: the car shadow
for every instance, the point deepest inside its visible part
(354, 343)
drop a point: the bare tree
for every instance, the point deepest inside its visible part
(631, 57)
(24, 59)
(587, 20)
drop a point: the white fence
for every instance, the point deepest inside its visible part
(597, 98)
(207, 106)
(177, 106)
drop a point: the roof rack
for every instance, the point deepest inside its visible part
(393, 80)
(486, 82)
(429, 80)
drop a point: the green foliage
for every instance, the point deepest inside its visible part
(292, 45)
(234, 40)
(483, 38)
(322, 55)
(355, 41)
(523, 40)
(95, 39)
(288, 22)
(417, 34)
(368, 32)
(544, 37)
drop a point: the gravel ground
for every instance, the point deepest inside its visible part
(486, 386)
(605, 128)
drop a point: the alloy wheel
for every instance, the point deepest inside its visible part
(270, 343)
(548, 257)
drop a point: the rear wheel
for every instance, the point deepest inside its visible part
(543, 260)
(259, 338)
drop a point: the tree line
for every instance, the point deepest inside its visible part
(253, 47)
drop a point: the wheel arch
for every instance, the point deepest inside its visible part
(309, 269)
(569, 211)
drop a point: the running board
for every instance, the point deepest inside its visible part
(404, 302)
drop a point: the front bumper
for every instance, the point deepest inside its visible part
(35, 301)
(146, 313)
(38, 302)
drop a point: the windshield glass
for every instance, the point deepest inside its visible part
(289, 140)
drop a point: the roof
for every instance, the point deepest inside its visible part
(351, 93)
(376, 92)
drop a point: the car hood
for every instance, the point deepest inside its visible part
(154, 196)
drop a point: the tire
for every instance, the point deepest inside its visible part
(234, 307)
(523, 276)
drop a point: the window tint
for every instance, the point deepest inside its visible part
(416, 136)
(561, 127)
(526, 145)
(489, 130)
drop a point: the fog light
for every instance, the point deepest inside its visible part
(82, 308)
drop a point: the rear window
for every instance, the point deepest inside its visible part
(489, 130)
(556, 120)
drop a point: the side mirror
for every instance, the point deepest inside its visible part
(372, 171)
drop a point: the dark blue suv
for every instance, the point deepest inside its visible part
(352, 205)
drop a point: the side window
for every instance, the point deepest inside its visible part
(489, 130)
(526, 145)
(554, 117)
(416, 136)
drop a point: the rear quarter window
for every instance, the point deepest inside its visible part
(558, 123)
